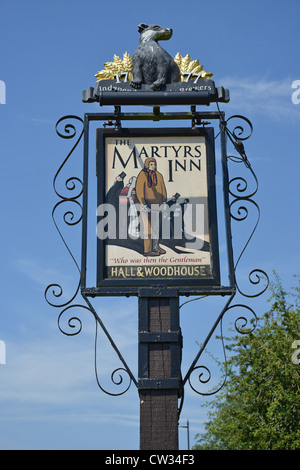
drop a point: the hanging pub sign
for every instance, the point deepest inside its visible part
(156, 214)
(156, 204)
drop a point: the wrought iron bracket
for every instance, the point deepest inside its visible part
(235, 197)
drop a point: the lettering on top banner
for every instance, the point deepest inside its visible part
(156, 206)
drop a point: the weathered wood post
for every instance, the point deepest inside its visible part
(160, 344)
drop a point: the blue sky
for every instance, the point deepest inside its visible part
(50, 52)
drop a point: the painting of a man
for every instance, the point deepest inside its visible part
(151, 189)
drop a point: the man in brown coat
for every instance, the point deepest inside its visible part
(150, 189)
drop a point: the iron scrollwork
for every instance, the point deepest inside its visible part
(241, 200)
(69, 324)
(69, 132)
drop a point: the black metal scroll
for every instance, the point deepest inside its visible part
(237, 200)
(70, 196)
(236, 209)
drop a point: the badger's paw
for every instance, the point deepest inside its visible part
(136, 84)
(158, 85)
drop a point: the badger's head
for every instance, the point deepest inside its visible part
(154, 31)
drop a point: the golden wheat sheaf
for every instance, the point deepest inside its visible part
(189, 68)
(122, 68)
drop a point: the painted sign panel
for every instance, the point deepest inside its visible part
(156, 215)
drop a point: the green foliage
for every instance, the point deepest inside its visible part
(259, 408)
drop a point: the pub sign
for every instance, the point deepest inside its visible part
(156, 208)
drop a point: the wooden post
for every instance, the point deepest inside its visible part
(160, 346)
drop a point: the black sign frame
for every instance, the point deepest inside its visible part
(131, 286)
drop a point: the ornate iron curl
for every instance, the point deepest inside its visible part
(242, 200)
(74, 322)
(74, 187)
(200, 378)
(240, 328)
(119, 370)
(69, 132)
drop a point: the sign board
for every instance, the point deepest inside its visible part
(156, 214)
